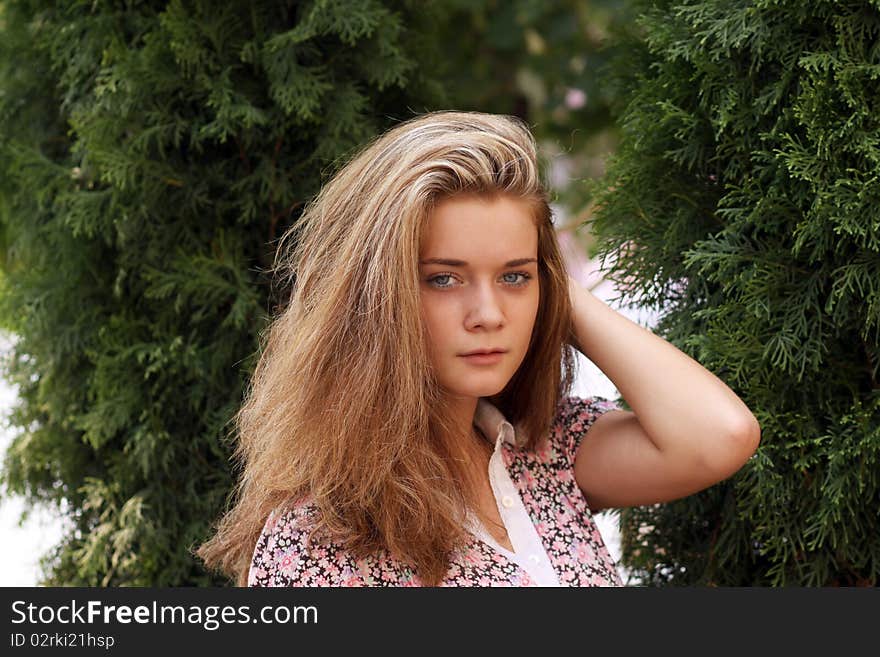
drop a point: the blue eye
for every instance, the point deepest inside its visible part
(434, 279)
(524, 279)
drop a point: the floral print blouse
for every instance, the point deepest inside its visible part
(555, 539)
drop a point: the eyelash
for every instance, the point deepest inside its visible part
(525, 280)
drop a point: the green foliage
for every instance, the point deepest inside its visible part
(541, 60)
(151, 154)
(744, 201)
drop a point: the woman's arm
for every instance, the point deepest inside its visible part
(687, 430)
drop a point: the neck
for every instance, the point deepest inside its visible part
(476, 450)
(462, 411)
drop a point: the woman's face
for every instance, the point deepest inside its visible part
(486, 300)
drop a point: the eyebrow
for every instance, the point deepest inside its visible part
(461, 263)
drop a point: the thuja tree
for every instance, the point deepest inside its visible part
(743, 204)
(152, 153)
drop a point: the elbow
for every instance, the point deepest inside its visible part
(744, 440)
(747, 437)
(734, 448)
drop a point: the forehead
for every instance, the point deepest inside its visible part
(476, 229)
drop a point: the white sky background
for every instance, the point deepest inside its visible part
(20, 547)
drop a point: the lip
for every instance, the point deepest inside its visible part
(479, 352)
(484, 358)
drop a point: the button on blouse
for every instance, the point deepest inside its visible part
(529, 553)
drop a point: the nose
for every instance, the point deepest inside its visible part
(484, 307)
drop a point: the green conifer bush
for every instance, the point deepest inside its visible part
(744, 204)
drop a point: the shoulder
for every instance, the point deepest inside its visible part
(574, 417)
(286, 555)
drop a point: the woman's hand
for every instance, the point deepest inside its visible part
(575, 293)
(579, 297)
(572, 289)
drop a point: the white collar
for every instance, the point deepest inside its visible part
(493, 424)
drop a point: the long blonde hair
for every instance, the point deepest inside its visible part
(343, 407)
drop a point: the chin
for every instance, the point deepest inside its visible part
(487, 390)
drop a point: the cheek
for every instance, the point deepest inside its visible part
(531, 312)
(531, 304)
(435, 322)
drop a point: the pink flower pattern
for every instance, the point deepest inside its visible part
(285, 556)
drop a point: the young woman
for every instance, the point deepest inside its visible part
(376, 447)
